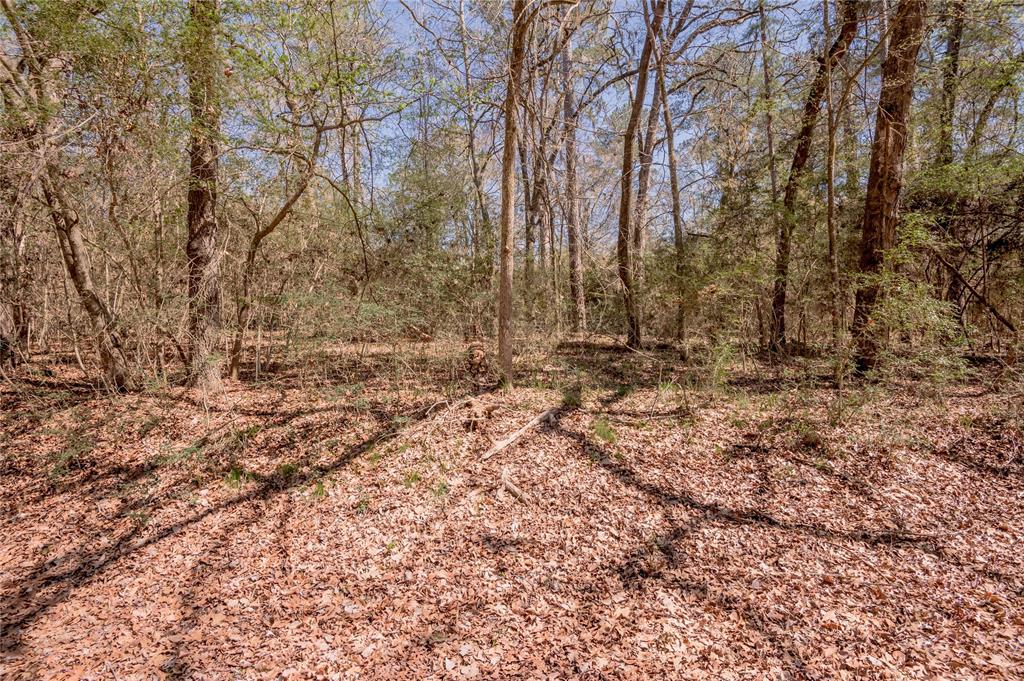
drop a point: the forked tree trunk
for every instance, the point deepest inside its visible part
(800, 157)
(508, 190)
(881, 205)
(201, 248)
(624, 242)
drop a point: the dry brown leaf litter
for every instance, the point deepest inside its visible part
(290, 532)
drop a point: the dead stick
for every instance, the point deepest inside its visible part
(991, 308)
(507, 483)
(550, 413)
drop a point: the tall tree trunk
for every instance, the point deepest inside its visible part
(508, 190)
(484, 237)
(881, 205)
(950, 80)
(201, 248)
(678, 235)
(800, 157)
(624, 243)
(646, 146)
(769, 131)
(830, 172)
(13, 312)
(572, 199)
(530, 237)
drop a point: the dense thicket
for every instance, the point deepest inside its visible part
(193, 188)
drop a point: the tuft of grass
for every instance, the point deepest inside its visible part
(139, 518)
(440, 489)
(319, 489)
(411, 478)
(242, 437)
(604, 431)
(287, 471)
(236, 477)
(67, 459)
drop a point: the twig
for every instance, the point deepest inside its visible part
(519, 494)
(991, 308)
(545, 415)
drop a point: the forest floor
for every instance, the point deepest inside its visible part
(339, 521)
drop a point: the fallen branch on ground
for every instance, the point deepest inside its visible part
(507, 483)
(543, 416)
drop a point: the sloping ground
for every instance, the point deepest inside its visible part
(749, 531)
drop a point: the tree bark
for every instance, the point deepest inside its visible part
(801, 155)
(201, 248)
(646, 146)
(484, 237)
(508, 190)
(881, 205)
(572, 199)
(530, 237)
(624, 243)
(767, 98)
(13, 312)
(950, 80)
(830, 172)
(678, 234)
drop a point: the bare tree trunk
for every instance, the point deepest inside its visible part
(484, 241)
(201, 248)
(508, 190)
(530, 239)
(572, 199)
(76, 261)
(950, 80)
(881, 205)
(678, 235)
(624, 244)
(646, 159)
(800, 157)
(830, 171)
(13, 317)
(768, 115)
